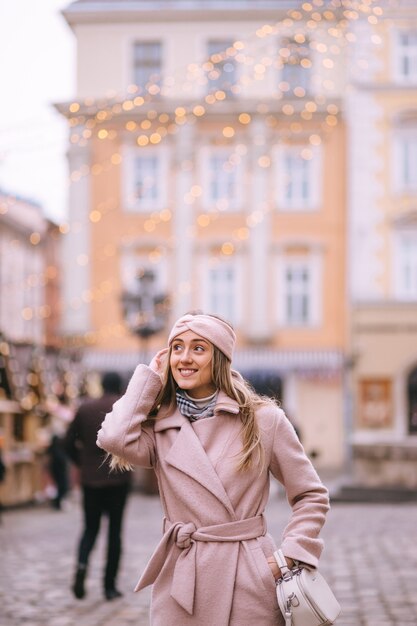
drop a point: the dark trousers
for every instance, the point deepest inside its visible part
(96, 502)
(59, 472)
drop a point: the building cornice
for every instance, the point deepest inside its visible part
(399, 10)
(108, 11)
(231, 107)
(398, 87)
(384, 305)
(21, 216)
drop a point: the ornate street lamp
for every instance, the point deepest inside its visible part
(144, 310)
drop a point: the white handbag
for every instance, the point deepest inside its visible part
(304, 597)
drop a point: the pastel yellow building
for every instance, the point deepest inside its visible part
(208, 155)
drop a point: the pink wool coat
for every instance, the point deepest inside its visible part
(210, 568)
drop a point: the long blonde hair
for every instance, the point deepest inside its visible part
(235, 387)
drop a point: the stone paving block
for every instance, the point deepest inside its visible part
(38, 547)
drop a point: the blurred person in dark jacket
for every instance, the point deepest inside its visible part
(104, 492)
(3, 470)
(58, 469)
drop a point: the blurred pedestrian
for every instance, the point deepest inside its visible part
(104, 492)
(60, 414)
(58, 470)
(2, 467)
(214, 443)
(3, 471)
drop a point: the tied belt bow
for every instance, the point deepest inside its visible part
(184, 536)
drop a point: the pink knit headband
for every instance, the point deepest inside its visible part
(211, 328)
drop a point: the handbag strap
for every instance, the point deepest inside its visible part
(286, 574)
(282, 563)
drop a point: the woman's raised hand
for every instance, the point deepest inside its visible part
(158, 361)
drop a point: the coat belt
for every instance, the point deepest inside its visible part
(185, 535)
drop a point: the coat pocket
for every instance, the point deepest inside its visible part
(263, 569)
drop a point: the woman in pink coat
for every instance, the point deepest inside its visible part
(213, 444)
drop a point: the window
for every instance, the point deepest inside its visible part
(298, 179)
(405, 155)
(299, 290)
(297, 188)
(221, 285)
(296, 66)
(406, 262)
(147, 63)
(406, 57)
(222, 296)
(222, 180)
(297, 294)
(223, 75)
(145, 179)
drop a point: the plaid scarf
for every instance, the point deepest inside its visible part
(189, 409)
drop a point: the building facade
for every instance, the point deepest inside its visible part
(29, 323)
(382, 163)
(22, 269)
(208, 151)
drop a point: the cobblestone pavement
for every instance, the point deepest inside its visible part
(370, 560)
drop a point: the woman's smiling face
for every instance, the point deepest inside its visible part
(190, 362)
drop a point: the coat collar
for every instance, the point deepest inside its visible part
(224, 404)
(175, 420)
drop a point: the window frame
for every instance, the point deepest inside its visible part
(216, 84)
(314, 174)
(305, 72)
(312, 262)
(209, 202)
(131, 153)
(401, 291)
(135, 65)
(401, 53)
(211, 260)
(402, 136)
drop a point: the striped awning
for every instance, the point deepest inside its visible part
(258, 359)
(245, 360)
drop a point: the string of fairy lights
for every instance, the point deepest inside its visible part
(155, 126)
(144, 117)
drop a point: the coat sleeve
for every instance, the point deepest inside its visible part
(306, 494)
(122, 433)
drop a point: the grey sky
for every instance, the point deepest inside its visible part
(37, 64)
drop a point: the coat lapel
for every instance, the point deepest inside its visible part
(188, 455)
